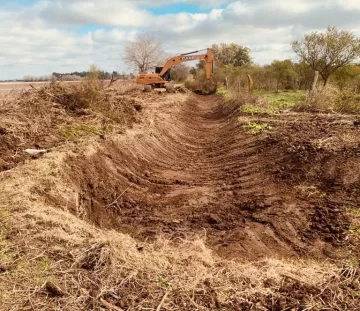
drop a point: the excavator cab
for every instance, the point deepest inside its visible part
(166, 76)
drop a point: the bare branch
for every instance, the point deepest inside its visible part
(145, 53)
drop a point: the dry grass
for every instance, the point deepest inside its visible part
(330, 99)
(202, 87)
(57, 112)
(52, 260)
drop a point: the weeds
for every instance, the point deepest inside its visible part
(330, 99)
(256, 128)
(222, 91)
(310, 191)
(75, 131)
(204, 87)
(354, 230)
(282, 100)
(43, 117)
(257, 110)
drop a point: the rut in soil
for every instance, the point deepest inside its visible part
(198, 173)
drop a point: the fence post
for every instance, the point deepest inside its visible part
(251, 83)
(316, 77)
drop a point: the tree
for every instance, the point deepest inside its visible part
(327, 51)
(180, 72)
(231, 54)
(283, 73)
(347, 77)
(305, 75)
(145, 53)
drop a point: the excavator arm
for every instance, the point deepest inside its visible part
(161, 78)
(208, 57)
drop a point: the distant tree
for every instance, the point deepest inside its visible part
(193, 71)
(327, 51)
(144, 53)
(283, 73)
(231, 54)
(305, 75)
(180, 72)
(94, 72)
(347, 77)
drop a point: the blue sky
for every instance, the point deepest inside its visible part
(38, 37)
(177, 8)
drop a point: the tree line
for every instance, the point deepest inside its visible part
(77, 76)
(331, 55)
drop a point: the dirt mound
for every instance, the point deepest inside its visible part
(56, 113)
(203, 175)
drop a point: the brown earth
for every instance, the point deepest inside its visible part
(45, 118)
(251, 196)
(179, 173)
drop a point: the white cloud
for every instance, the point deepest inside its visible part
(52, 35)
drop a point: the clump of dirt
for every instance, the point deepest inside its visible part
(46, 117)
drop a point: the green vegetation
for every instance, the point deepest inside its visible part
(256, 128)
(282, 99)
(286, 84)
(354, 229)
(222, 91)
(4, 214)
(75, 131)
(329, 51)
(256, 110)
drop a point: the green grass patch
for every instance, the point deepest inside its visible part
(73, 132)
(354, 229)
(4, 214)
(256, 128)
(256, 110)
(282, 99)
(222, 91)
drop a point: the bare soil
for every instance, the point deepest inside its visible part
(156, 201)
(254, 196)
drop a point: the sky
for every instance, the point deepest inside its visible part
(38, 37)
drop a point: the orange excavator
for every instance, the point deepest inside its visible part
(162, 76)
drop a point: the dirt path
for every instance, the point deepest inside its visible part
(199, 173)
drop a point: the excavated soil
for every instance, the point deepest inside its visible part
(44, 119)
(198, 172)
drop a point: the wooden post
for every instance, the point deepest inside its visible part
(251, 83)
(316, 77)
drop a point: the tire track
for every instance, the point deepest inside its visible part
(197, 172)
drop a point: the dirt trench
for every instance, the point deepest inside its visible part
(198, 173)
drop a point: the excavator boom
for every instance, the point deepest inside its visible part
(161, 78)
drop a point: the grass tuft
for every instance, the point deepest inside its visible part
(256, 128)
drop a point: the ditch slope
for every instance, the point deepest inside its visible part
(198, 172)
(143, 198)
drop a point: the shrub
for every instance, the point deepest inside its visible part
(205, 87)
(330, 99)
